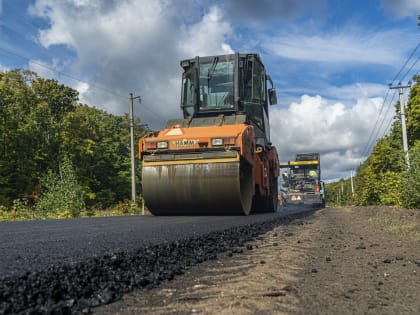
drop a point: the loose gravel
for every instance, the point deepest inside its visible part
(335, 261)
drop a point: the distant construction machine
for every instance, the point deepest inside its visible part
(218, 159)
(303, 180)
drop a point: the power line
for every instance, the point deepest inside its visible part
(93, 86)
(370, 145)
(63, 73)
(388, 126)
(390, 119)
(405, 63)
(374, 133)
(366, 149)
(401, 88)
(370, 138)
(414, 63)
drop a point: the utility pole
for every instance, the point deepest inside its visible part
(351, 181)
(133, 164)
(401, 88)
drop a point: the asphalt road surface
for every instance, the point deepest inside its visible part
(36, 245)
(66, 266)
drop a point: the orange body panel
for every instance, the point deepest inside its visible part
(238, 136)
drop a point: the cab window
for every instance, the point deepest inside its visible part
(187, 96)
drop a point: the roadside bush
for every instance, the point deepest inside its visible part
(62, 196)
(368, 192)
(21, 209)
(390, 187)
(411, 180)
(126, 207)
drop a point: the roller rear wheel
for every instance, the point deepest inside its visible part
(267, 203)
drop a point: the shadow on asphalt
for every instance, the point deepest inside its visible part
(294, 209)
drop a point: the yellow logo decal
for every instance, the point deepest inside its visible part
(184, 143)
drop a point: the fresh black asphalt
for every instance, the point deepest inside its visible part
(70, 266)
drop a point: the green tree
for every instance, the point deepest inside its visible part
(31, 111)
(411, 176)
(367, 188)
(413, 112)
(378, 179)
(16, 165)
(411, 180)
(42, 121)
(54, 102)
(97, 143)
(339, 193)
(62, 195)
(383, 178)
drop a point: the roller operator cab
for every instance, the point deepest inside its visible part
(218, 159)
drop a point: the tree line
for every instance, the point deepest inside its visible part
(48, 138)
(58, 155)
(384, 178)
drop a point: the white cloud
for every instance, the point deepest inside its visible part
(314, 124)
(208, 36)
(136, 45)
(44, 69)
(52, 71)
(346, 94)
(82, 88)
(402, 8)
(346, 46)
(355, 91)
(132, 46)
(249, 12)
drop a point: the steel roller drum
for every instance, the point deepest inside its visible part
(223, 188)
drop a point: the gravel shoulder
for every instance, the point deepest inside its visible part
(359, 260)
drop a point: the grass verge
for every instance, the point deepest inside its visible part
(398, 226)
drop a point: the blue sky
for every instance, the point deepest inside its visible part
(331, 61)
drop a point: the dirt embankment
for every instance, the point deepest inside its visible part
(362, 260)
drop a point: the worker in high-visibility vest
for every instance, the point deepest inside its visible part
(285, 176)
(312, 173)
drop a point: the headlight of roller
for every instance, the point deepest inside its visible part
(216, 141)
(162, 145)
